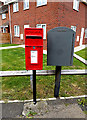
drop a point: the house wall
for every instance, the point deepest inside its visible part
(3, 21)
(46, 14)
(53, 15)
(4, 38)
(6, 19)
(67, 17)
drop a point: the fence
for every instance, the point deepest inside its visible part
(4, 38)
(41, 73)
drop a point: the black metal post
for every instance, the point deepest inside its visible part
(34, 86)
(57, 81)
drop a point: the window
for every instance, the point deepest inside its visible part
(26, 4)
(73, 28)
(3, 16)
(77, 38)
(86, 33)
(41, 2)
(26, 26)
(76, 5)
(16, 30)
(44, 29)
(15, 7)
(4, 30)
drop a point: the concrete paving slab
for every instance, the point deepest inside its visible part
(54, 109)
(11, 110)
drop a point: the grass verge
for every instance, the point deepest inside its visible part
(6, 45)
(82, 53)
(19, 87)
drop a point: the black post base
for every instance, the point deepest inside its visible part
(57, 81)
(34, 86)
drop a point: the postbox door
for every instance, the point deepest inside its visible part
(34, 58)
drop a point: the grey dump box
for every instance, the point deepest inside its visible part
(60, 46)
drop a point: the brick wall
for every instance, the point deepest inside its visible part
(53, 15)
(6, 19)
(67, 17)
(4, 38)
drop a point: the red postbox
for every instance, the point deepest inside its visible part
(34, 48)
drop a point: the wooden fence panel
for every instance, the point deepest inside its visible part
(4, 38)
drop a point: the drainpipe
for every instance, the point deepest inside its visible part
(10, 24)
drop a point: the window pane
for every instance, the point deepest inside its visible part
(4, 30)
(14, 30)
(76, 4)
(26, 4)
(17, 30)
(39, 2)
(44, 2)
(3, 16)
(26, 26)
(86, 33)
(39, 26)
(44, 31)
(73, 28)
(16, 6)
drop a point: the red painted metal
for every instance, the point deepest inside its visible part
(34, 48)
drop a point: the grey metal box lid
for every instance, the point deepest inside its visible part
(60, 46)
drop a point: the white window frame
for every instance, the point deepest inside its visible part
(86, 33)
(26, 26)
(77, 39)
(73, 28)
(16, 30)
(44, 31)
(25, 4)
(76, 5)
(21, 36)
(3, 16)
(41, 2)
(15, 7)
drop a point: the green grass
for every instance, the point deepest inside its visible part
(6, 45)
(19, 87)
(14, 59)
(82, 53)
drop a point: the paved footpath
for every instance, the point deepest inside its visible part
(58, 108)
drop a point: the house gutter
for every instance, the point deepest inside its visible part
(10, 24)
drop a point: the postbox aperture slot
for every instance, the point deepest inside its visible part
(34, 36)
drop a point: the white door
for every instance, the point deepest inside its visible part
(81, 37)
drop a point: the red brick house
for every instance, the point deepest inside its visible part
(4, 18)
(47, 15)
